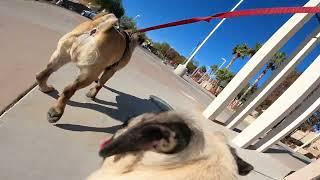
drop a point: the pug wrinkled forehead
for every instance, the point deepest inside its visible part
(168, 133)
(162, 132)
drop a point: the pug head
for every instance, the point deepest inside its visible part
(166, 134)
(149, 132)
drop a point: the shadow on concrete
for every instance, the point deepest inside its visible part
(127, 105)
(281, 150)
(273, 150)
(302, 158)
(81, 128)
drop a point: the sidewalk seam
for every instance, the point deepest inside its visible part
(17, 99)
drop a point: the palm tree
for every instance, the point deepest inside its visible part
(272, 65)
(253, 50)
(239, 51)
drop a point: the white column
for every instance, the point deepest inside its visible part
(252, 67)
(287, 102)
(292, 121)
(299, 54)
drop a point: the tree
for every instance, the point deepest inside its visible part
(203, 69)
(113, 6)
(179, 59)
(191, 67)
(171, 54)
(247, 92)
(165, 47)
(128, 22)
(166, 50)
(213, 68)
(239, 51)
(254, 50)
(276, 93)
(195, 62)
(223, 76)
(272, 65)
(145, 38)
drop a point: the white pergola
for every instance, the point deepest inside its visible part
(293, 107)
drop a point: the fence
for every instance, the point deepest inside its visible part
(293, 107)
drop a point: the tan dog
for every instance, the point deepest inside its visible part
(95, 47)
(168, 146)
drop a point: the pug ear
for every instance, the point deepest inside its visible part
(165, 138)
(244, 168)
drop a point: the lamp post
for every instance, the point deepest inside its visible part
(182, 69)
(224, 61)
(137, 16)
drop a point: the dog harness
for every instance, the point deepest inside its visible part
(127, 39)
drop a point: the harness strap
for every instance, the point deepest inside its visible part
(127, 39)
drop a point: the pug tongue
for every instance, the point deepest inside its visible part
(105, 142)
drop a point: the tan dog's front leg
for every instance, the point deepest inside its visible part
(55, 112)
(56, 61)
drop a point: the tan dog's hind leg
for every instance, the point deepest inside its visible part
(83, 80)
(109, 71)
(56, 61)
(107, 74)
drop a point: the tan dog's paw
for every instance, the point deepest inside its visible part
(46, 89)
(54, 115)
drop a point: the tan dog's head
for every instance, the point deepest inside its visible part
(136, 38)
(169, 140)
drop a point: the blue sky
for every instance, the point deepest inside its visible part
(250, 30)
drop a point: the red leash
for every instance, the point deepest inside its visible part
(249, 12)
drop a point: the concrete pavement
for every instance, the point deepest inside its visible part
(34, 149)
(29, 33)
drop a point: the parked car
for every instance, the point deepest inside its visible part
(88, 14)
(72, 5)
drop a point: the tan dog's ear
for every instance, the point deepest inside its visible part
(165, 138)
(244, 168)
(136, 36)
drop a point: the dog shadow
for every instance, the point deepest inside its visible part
(127, 106)
(82, 128)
